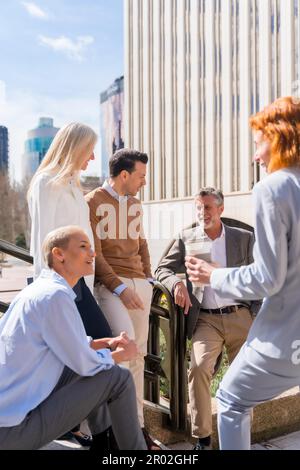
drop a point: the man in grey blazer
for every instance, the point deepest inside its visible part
(212, 322)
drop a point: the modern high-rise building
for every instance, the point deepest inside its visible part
(36, 146)
(112, 126)
(195, 70)
(3, 149)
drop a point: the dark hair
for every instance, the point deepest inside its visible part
(216, 193)
(125, 159)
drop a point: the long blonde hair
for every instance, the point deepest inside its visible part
(66, 154)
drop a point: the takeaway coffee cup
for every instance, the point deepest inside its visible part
(199, 248)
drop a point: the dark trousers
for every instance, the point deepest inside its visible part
(94, 321)
(77, 398)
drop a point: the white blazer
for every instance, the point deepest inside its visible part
(52, 207)
(275, 273)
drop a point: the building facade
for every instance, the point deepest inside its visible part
(4, 149)
(36, 146)
(195, 70)
(112, 126)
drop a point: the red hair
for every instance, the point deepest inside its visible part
(280, 124)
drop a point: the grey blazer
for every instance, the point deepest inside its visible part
(275, 273)
(239, 247)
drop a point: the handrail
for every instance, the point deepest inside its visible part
(15, 251)
(177, 384)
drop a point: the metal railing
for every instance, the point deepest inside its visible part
(167, 331)
(17, 252)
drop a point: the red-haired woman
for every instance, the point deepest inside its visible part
(269, 361)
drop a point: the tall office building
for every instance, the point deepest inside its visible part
(3, 149)
(195, 70)
(37, 144)
(112, 126)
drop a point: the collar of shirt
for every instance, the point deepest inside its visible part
(112, 192)
(222, 235)
(51, 274)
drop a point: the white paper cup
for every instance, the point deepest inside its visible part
(199, 249)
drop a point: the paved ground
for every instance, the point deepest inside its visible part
(13, 278)
(288, 442)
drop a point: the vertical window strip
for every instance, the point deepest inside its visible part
(297, 45)
(278, 59)
(175, 95)
(151, 130)
(238, 183)
(202, 93)
(203, 96)
(253, 82)
(235, 93)
(274, 51)
(141, 82)
(163, 99)
(130, 80)
(253, 55)
(188, 99)
(257, 97)
(218, 93)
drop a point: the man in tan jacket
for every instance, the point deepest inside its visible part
(123, 279)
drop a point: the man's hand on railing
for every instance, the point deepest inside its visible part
(181, 297)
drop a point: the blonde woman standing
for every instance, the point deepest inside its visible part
(55, 199)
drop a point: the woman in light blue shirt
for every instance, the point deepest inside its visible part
(52, 375)
(269, 362)
(56, 199)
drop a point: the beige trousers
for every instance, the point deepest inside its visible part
(134, 322)
(212, 333)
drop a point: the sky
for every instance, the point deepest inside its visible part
(56, 57)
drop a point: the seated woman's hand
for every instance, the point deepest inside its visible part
(122, 339)
(125, 352)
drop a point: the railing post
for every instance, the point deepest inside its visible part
(177, 382)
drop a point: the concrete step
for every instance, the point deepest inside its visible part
(271, 420)
(288, 442)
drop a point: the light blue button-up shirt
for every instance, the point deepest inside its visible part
(40, 334)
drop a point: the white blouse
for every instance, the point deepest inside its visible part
(53, 206)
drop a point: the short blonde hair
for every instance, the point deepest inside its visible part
(58, 238)
(280, 124)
